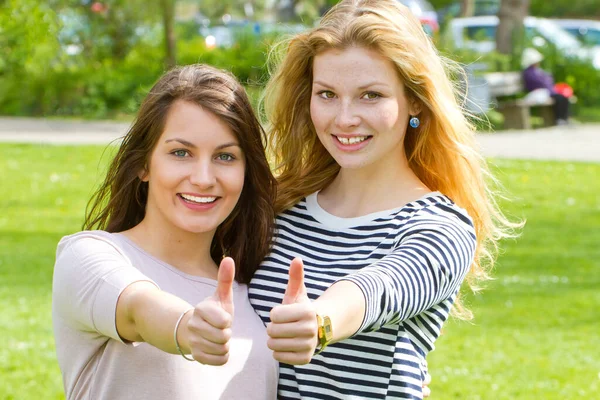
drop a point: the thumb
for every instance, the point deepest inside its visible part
(295, 288)
(224, 292)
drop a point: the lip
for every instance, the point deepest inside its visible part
(351, 147)
(198, 206)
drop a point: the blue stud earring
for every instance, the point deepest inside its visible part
(414, 122)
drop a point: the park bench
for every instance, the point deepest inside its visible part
(516, 111)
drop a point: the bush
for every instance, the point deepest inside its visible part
(246, 59)
(94, 89)
(76, 86)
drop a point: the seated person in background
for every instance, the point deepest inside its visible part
(536, 79)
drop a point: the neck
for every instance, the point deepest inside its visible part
(187, 251)
(362, 191)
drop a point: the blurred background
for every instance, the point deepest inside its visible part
(82, 67)
(96, 59)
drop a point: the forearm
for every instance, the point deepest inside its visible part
(147, 314)
(344, 302)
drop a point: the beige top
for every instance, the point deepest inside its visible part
(92, 269)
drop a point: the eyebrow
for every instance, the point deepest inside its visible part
(182, 141)
(362, 87)
(230, 144)
(193, 146)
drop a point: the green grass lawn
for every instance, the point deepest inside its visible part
(536, 331)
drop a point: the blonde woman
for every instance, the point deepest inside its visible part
(383, 207)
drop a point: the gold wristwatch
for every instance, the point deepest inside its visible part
(325, 332)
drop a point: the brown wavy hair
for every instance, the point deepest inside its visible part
(442, 152)
(120, 202)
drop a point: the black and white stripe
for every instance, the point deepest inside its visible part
(409, 262)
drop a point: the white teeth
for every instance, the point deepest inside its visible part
(352, 140)
(196, 199)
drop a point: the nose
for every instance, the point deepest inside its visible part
(203, 174)
(347, 116)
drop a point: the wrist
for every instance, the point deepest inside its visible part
(181, 333)
(324, 332)
(344, 303)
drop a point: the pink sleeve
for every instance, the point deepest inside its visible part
(89, 276)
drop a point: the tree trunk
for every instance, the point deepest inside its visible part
(168, 14)
(510, 35)
(118, 32)
(467, 8)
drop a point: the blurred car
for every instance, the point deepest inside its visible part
(587, 31)
(227, 35)
(479, 34)
(425, 12)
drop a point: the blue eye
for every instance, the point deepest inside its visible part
(225, 157)
(180, 153)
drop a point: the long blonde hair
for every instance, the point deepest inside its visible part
(441, 152)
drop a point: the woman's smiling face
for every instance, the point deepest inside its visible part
(196, 171)
(359, 108)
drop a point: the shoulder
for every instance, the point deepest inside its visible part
(437, 213)
(99, 244)
(435, 207)
(442, 208)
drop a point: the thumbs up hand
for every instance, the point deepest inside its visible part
(210, 324)
(293, 328)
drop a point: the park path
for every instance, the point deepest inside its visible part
(566, 143)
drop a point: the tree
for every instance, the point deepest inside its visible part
(168, 15)
(510, 36)
(467, 8)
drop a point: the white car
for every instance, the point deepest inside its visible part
(479, 34)
(586, 30)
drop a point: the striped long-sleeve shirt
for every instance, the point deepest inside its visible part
(409, 263)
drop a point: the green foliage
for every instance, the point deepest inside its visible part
(581, 76)
(588, 114)
(95, 90)
(437, 4)
(28, 38)
(110, 33)
(565, 8)
(119, 55)
(215, 9)
(246, 59)
(545, 8)
(39, 75)
(108, 87)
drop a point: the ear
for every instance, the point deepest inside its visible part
(143, 174)
(414, 106)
